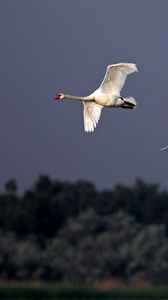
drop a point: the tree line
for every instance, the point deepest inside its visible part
(73, 233)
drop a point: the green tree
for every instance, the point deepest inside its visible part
(149, 254)
(90, 247)
(11, 187)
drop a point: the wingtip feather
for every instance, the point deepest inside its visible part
(131, 65)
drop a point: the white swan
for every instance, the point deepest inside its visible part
(164, 148)
(108, 94)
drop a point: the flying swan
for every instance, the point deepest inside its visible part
(108, 94)
(164, 148)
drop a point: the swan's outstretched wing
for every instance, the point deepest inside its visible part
(164, 148)
(91, 115)
(115, 77)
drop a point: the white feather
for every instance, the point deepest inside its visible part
(115, 77)
(91, 115)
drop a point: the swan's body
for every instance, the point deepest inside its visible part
(108, 94)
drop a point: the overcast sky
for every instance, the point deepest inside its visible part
(50, 46)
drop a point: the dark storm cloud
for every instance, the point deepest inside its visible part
(53, 46)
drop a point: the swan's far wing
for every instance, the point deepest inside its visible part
(115, 76)
(91, 115)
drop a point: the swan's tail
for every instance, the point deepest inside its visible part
(129, 102)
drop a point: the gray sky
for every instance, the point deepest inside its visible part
(61, 45)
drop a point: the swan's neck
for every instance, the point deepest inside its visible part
(83, 98)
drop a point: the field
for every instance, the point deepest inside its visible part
(54, 292)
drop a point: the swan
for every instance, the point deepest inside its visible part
(108, 94)
(164, 148)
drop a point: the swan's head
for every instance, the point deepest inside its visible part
(59, 96)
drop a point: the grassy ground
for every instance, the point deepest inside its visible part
(54, 292)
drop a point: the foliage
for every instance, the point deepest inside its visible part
(73, 233)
